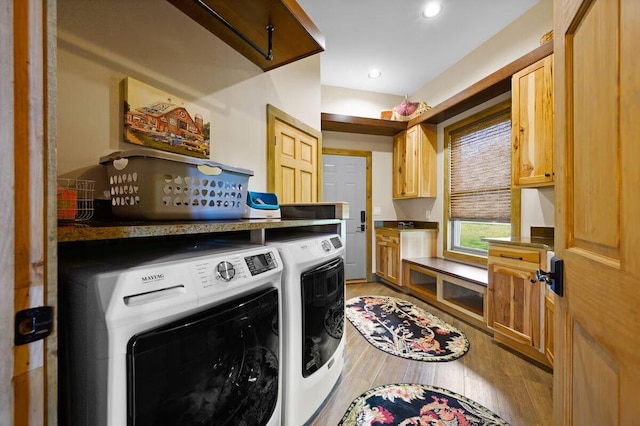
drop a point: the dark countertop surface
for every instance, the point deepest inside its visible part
(405, 225)
(534, 242)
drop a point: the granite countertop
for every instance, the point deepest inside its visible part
(90, 231)
(533, 242)
(399, 225)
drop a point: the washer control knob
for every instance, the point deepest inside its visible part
(326, 245)
(225, 271)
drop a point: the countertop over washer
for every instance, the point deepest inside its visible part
(88, 231)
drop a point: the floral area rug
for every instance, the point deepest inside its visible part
(404, 329)
(411, 404)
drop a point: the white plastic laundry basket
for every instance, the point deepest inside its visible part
(149, 184)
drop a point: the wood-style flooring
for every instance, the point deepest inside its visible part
(515, 389)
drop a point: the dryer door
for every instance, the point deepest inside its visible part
(217, 367)
(322, 314)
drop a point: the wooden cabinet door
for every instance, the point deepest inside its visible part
(388, 256)
(399, 170)
(414, 163)
(532, 125)
(410, 184)
(392, 256)
(548, 327)
(381, 259)
(514, 303)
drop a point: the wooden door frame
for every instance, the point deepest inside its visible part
(274, 114)
(368, 205)
(7, 224)
(28, 373)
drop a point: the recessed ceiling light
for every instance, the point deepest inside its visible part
(431, 9)
(374, 73)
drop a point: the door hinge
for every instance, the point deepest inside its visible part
(33, 324)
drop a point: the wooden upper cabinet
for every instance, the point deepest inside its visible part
(414, 162)
(532, 125)
(294, 35)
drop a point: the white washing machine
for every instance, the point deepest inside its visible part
(181, 335)
(313, 286)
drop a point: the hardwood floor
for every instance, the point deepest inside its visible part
(515, 389)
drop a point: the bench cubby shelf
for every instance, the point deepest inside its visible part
(453, 287)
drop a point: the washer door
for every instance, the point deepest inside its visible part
(217, 367)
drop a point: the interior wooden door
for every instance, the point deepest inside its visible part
(293, 156)
(597, 105)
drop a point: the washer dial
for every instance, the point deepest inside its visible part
(326, 245)
(225, 271)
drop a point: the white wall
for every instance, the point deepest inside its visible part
(182, 59)
(537, 209)
(381, 154)
(517, 39)
(359, 103)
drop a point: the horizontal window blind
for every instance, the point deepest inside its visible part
(480, 170)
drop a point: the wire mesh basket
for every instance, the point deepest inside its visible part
(75, 199)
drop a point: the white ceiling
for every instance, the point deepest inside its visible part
(393, 37)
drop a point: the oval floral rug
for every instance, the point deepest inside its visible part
(411, 404)
(403, 329)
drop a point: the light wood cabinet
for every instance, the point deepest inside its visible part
(549, 307)
(414, 162)
(393, 245)
(388, 257)
(532, 125)
(515, 299)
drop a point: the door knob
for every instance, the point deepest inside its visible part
(553, 278)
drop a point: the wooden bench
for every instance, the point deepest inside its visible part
(454, 287)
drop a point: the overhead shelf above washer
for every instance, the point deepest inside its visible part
(294, 35)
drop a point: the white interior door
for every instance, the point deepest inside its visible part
(344, 179)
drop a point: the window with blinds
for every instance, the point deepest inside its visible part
(478, 183)
(480, 170)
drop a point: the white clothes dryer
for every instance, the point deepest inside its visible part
(179, 335)
(313, 287)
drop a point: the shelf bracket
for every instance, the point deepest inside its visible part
(268, 55)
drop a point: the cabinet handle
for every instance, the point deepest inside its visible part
(511, 257)
(547, 175)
